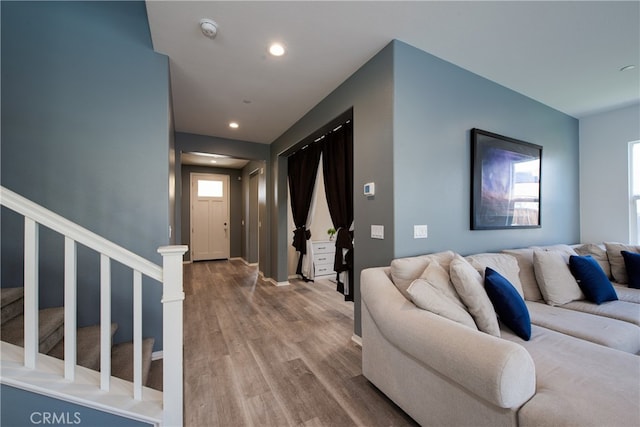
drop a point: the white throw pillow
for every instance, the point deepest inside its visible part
(505, 264)
(406, 270)
(557, 284)
(428, 293)
(468, 284)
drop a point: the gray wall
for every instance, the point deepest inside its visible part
(412, 117)
(263, 254)
(22, 408)
(604, 173)
(85, 132)
(370, 92)
(436, 104)
(235, 206)
(186, 142)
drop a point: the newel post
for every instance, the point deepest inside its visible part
(172, 336)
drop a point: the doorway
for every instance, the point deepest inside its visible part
(209, 200)
(254, 218)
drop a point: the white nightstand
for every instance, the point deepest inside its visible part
(323, 258)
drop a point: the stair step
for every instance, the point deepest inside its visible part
(12, 302)
(88, 346)
(122, 360)
(51, 329)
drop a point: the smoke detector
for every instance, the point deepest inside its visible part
(209, 28)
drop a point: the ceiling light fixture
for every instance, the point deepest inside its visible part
(234, 125)
(277, 49)
(627, 67)
(209, 28)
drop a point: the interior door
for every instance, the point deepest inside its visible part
(209, 217)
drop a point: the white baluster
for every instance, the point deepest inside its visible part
(105, 322)
(31, 345)
(137, 335)
(172, 335)
(70, 321)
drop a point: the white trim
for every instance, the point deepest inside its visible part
(48, 381)
(157, 355)
(357, 340)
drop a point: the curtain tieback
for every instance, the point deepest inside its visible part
(300, 237)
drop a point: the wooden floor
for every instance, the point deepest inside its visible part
(260, 355)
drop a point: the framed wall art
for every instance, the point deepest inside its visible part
(505, 182)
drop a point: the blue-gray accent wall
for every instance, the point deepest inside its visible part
(86, 133)
(413, 113)
(436, 104)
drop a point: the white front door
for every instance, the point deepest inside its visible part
(209, 216)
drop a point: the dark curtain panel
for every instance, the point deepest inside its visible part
(337, 162)
(302, 171)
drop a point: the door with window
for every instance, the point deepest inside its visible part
(209, 217)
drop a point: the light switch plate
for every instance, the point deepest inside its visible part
(377, 231)
(420, 232)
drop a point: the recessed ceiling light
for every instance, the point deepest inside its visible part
(234, 125)
(277, 49)
(627, 67)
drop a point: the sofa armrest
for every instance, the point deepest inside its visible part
(499, 371)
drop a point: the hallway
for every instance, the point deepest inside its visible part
(256, 354)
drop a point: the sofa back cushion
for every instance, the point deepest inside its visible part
(505, 264)
(614, 253)
(557, 284)
(406, 270)
(528, 280)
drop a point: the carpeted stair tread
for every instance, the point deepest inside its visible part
(88, 346)
(122, 360)
(51, 329)
(12, 302)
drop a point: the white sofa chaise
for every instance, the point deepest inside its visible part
(577, 368)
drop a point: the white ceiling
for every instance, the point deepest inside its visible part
(212, 160)
(564, 54)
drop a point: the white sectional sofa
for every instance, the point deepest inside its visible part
(580, 366)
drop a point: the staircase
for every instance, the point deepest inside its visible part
(51, 337)
(43, 351)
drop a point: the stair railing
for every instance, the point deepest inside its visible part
(169, 275)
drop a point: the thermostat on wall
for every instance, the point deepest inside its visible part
(370, 189)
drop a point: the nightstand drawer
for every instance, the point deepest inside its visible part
(323, 247)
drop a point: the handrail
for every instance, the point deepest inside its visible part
(169, 275)
(43, 216)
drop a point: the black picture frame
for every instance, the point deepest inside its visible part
(505, 182)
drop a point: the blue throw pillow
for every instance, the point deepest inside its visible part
(508, 303)
(593, 281)
(632, 263)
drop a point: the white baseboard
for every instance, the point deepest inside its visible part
(157, 355)
(357, 339)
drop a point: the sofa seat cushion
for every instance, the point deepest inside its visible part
(621, 310)
(605, 331)
(579, 383)
(626, 293)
